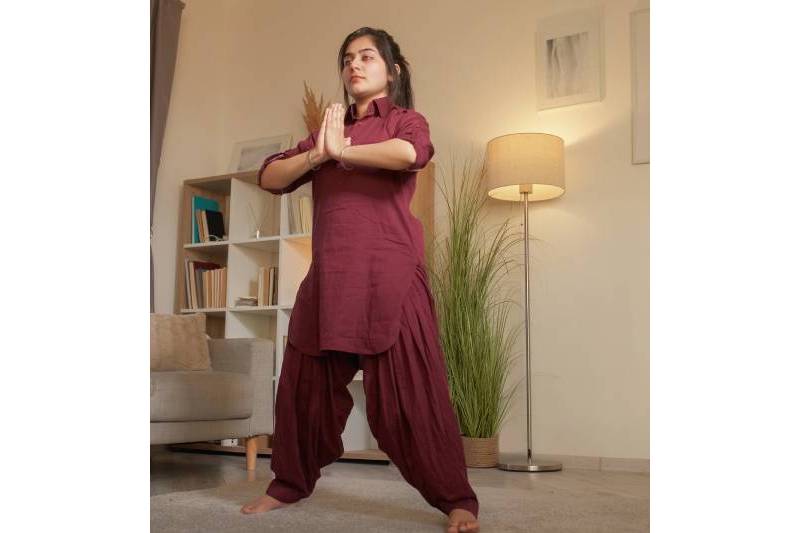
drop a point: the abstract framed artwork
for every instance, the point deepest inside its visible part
(248, 155)
(640, 86)
(569, 58)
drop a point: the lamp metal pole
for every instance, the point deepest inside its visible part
(530, 465)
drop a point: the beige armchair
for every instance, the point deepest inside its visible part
(231, 400)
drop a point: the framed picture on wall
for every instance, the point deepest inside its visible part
(640, 90)
(569, 59)
(248, 155)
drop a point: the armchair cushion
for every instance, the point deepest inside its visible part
(178, 342)
(186, 395)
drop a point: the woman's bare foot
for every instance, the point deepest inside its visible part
(263, 504)
(462, 520)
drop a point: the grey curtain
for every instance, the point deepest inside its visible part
(165, 24)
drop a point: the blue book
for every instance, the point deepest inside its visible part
(200, 202)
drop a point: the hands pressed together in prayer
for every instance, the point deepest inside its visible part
(331, 139)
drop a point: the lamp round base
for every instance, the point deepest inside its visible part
(537, 466)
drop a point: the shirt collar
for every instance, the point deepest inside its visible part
(381, 106)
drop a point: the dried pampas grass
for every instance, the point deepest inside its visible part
(314, 112)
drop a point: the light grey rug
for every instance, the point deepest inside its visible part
(342, 504)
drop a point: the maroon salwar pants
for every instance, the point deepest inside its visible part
(408, 411)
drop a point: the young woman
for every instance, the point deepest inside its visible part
(365, 302)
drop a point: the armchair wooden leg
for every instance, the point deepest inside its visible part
(251, 450)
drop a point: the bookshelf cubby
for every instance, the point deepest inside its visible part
(242, 254)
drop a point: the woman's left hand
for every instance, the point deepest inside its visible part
(334, 132)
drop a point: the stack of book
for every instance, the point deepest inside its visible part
(268, 286)
(205, 284)
(207, 221)
(301, 214)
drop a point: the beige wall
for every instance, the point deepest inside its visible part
(241, 66)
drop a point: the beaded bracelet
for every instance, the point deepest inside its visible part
(308, 157)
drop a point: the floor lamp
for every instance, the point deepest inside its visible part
(527, 167)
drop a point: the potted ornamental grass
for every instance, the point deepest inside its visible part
(467, 266)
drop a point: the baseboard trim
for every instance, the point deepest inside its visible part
(603, 464)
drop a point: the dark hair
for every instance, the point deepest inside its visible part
(400, 88)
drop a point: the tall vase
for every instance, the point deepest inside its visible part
(481, 452)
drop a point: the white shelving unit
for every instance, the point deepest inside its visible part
(243, 254)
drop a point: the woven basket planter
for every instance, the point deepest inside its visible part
(481, 452)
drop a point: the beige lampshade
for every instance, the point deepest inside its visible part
(525, 161)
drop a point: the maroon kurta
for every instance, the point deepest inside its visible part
(366, 244)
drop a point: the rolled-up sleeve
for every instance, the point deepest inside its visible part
(413, 127)
(303, 146)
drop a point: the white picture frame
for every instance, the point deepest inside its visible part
(249, 155)
(640, 86)
(570, 66)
